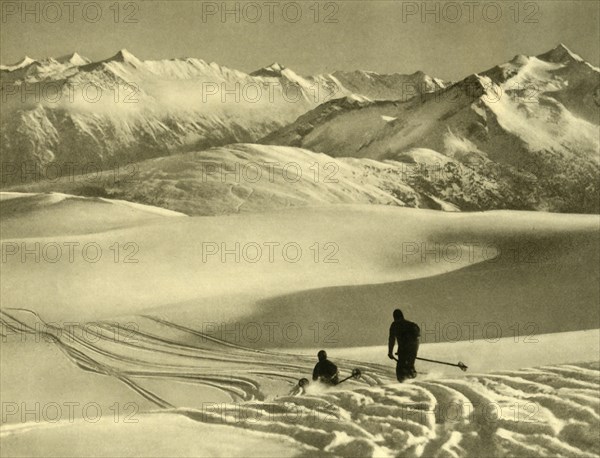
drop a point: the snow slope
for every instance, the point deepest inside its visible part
(193, 395)
(42, 215)
(244, 178)
(241, 178)
(141, 340)
(314, 250)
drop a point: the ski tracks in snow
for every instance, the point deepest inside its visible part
(546, 411)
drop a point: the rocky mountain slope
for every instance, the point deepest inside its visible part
(532, 123)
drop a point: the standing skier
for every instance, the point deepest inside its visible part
(407, 334)
(325, 371)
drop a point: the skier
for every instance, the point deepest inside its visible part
(325, 371)
(407, 334)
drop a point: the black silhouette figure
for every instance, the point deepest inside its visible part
(325, 371)
(406, 333)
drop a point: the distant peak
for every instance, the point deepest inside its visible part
(125, 56)
(563, 47)
(78, 59)
(74, 59)
(519, 59)
(356, 73)
(26, 61)
(276, 66)
(274, 69)
(560, 55)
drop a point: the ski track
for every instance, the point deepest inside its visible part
(546, 411)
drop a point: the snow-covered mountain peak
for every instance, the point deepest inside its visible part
(276, 70)
(519, 60)
(475, 85)
(26, 61)
(560, 55)
(124, 56)
(276, 66)
(74, 59)
(273, 70)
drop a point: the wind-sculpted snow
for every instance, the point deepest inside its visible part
(545, 411)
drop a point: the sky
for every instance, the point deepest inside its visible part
(445, 39)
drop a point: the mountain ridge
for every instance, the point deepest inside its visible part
(536, 116)
(122, 109)
(533, 120)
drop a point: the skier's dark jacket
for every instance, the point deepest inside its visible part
(326, 371)
(406, 332)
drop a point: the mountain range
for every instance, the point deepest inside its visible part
(521, 135)
(122, 109)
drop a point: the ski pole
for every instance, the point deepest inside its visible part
(355, 374)
(463, 367)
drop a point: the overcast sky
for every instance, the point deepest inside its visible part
(383, 36)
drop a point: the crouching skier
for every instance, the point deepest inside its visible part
(325, 371)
